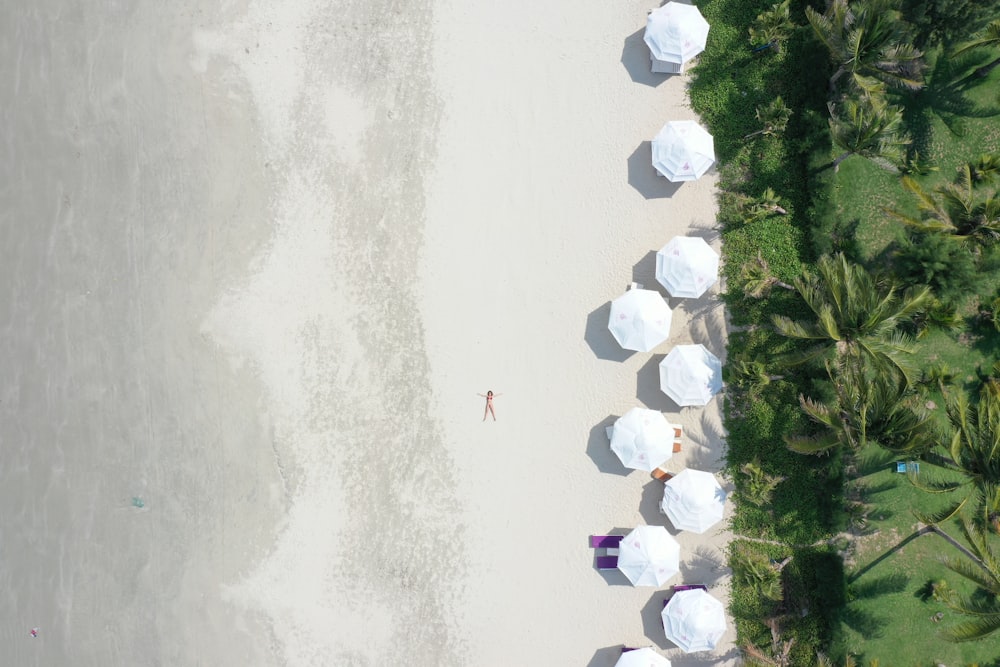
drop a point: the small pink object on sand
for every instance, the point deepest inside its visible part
(34, 632)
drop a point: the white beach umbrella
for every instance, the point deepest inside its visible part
(687, 266)
(694, 620)
(649, 556)
(675, 33)
(642, 439)
(683, 150)
(640, 320)
(693, 500)
(691, 375)
(642, 657)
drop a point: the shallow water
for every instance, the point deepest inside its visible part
(206, 218)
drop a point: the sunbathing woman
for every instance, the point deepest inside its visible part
(489, 404)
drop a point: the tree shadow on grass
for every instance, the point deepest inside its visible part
(869, 490)
(945, 95)
(889, 552)
(869, 626)
(895, 582)
(986, 338)
(872, 461)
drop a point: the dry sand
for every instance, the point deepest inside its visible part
(259, 258)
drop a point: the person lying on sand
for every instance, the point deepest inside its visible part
(489, 404)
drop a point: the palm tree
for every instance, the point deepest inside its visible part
(754, 569)
(947, 21)
(985, 573)
(865, 39)
(868, 409)
(772, 27)
(758, 280)
(985, 169)
(755, 209)
(958, 208)
(975, 449)
(870, 127)
(989, 38)
(773, 116)
(857, 317)
(758, 486)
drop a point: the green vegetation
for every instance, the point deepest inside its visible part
(866, 302)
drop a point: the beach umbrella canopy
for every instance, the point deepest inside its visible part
(694, 620)
(687, 266)
(691, 375)
(640, 320)
(683, 150)
(642, 439)
(675, 33)
(693, 500)
(649, 556)
(642, 657)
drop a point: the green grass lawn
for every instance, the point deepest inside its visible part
(889, 614)
(950, 125)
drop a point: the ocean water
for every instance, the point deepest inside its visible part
(216, 446)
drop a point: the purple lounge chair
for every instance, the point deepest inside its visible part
(690, 587)
(605, 541)
(607, 562)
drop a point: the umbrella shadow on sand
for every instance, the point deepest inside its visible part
(652, 621)
(599, 449)
(636, 61)
(649, 506)
(599, 338)
(643, 176)
(644, 273)
(606, 657)
(648, 390)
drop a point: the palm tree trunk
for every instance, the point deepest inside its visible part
(833, 79)
(985, 70)
(958, 545)
(840, 158)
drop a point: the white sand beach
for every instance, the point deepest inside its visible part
(258, 261)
